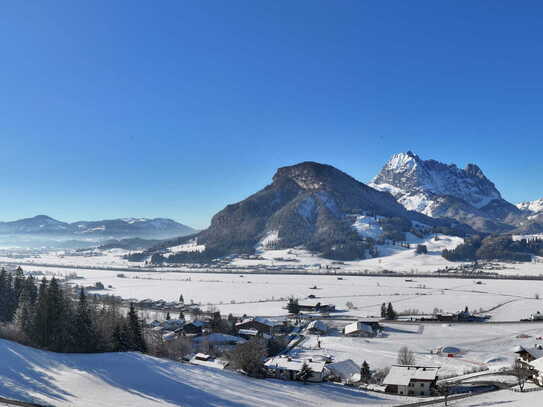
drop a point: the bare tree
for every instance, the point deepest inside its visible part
(444, 389)
(406, 356)
(249, 357)
(522, 373)
(380, 375)
(173, 349)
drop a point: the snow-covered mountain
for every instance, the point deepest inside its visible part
(315, 206)
(444, 190)
(128, 227)
(532, 206)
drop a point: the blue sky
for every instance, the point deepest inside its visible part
(177, 108)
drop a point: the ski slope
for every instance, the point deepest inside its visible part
(135, 380)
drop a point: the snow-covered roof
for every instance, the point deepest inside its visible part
(219, 338)
(535, 352)
(402, 375)
(318, 325)
(358, 326)
(198, 323)
(261, 320)
(205, 360)
(346, 369)
(538, 365)
(286, 363)
(169, 336)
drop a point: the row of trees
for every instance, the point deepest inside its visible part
(49, 315)
(501, 247)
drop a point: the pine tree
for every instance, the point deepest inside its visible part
(365, 373)
(383, 310)
(137, 342)
(120, 339)
(85, 335)
(40, 327)
(23, 315)
(293, 307)
(390, 314)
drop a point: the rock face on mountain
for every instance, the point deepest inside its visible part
(444, 190)
(532, 222)
(315, 206)
(130, 227)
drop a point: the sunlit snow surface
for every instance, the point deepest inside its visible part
(135, 380)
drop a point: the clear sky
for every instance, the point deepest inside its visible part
(177, 108)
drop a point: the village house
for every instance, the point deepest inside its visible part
(318, 307)
(529, 354)
(287, 368)
(252, 333)
(346, 371)
(317, 327)
(362, 328)
(261, 325)
(409, 380)
(219, 339)
(195, 327)
(172, 324)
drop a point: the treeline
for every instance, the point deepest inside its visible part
(495, 248)
(51, 316)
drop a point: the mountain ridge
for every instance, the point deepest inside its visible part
(311, 205)
(123, 227)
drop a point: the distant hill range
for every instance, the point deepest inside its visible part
(312, 205)
(43, 225)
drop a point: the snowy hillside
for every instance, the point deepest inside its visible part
(135, 380)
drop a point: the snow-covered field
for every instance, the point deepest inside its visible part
(502, 398)
(392, 257)
(266, 294)
(135, 380)
(482, 346)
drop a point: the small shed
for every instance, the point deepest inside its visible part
(317, 327)
(203, 359)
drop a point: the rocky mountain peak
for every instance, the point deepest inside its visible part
(474, 170)
(310, 175)
(411, 175)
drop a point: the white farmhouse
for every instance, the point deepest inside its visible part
(409, 380)
(359, 328)
(287, 368)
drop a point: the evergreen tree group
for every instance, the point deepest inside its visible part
(51, 316)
